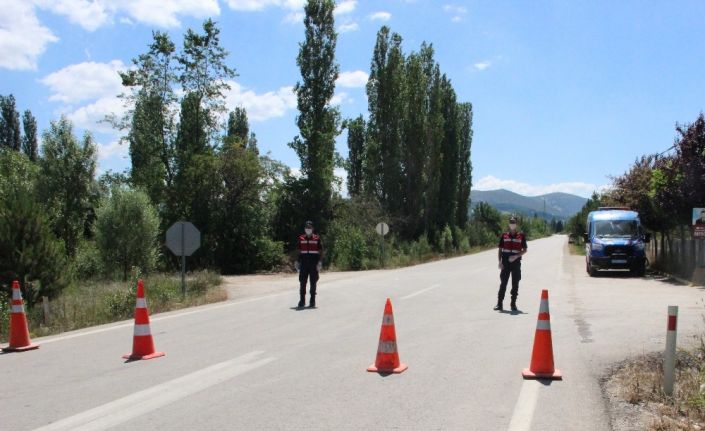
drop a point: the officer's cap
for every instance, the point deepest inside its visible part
(309, 223)
(512, 219)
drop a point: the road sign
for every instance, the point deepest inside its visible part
(183, 238)
(382, 228)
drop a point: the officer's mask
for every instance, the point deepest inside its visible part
(513, 226)
(308, 231)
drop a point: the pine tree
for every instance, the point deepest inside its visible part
(238, 126)
(465, 167)
(356, 151)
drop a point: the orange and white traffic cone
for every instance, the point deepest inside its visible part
(19, 331)
(387, 361)
(542, 355)
(142, 342)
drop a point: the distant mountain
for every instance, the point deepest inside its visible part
(560, 206)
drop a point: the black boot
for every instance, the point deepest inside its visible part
(514, 304)
(499, 306)
(312, 304)
(302, 301)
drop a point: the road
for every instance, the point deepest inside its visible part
(254, 363)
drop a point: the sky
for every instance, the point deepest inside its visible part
(565, 94)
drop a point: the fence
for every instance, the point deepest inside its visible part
(682, 257)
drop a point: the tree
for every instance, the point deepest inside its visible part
(29, 140)
(465, 165)
(203, 76)
(356, 151)
(29, 252)
(448, 185)
(238, 127)
(126, 231)
(385, 92)
(9, 123)
(149, 153)
(318, 122)
(66, 182)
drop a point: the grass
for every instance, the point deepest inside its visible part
(641, 384)
(97, 302)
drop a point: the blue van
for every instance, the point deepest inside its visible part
(615, 240)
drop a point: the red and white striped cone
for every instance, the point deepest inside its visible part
(542, 356)
(19, 331)
(387, 361)
(142, 342)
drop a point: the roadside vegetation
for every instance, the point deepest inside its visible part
(96, 302)
(639, 383)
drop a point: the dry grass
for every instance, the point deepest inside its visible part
(641, 384)
(98, 302)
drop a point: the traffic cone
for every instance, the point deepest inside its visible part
(387, 361)
(542, 355)
(142, 342)
(19, 332)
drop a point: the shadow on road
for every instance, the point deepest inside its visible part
(302, 308)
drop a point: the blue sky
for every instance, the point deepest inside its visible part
(565, 93)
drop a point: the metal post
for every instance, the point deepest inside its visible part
(669, 357)
(382, 250)
(183, 261)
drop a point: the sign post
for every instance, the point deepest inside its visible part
(183, 238)
(382, 229)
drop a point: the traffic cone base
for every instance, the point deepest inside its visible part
(528, 374)
(9, 349)
(400, 369)
(145, 357)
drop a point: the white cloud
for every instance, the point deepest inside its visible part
(112, 149)
(342, 175)
(257, 5)
(458, 12)
(577, 188)
(88, 92)
(380, 16)
(85, 81)
(345, 7)
(482, 65)
(355, 79)
(91, 117)
(93, 14)
(339, 98)
(294, 18)
(261, 107)
(23, 39)
(348, 27)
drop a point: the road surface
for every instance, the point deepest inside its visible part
(255, 363)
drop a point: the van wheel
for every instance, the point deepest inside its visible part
(591, 270)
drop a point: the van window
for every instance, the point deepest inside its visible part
(616, 228)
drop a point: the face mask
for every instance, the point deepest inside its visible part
(308, 231)
(513, 226)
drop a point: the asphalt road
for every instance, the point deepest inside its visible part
(254, 363)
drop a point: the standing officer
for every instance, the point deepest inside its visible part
(309, 263)
(512, 246)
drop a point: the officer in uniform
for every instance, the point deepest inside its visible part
(309, 263)
(512, 246)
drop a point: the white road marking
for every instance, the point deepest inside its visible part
(525, 406)
(134, 405)
(421, 291)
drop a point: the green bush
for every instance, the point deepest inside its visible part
(270, 253)
(120, 304)
(445, 243)
(87, 263)
(350, 248)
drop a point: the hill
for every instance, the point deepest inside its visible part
(560, 206)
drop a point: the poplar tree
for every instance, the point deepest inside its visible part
(9, 123)
(356, 151)
(465, 165)
(29, 139)
(318, 122)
